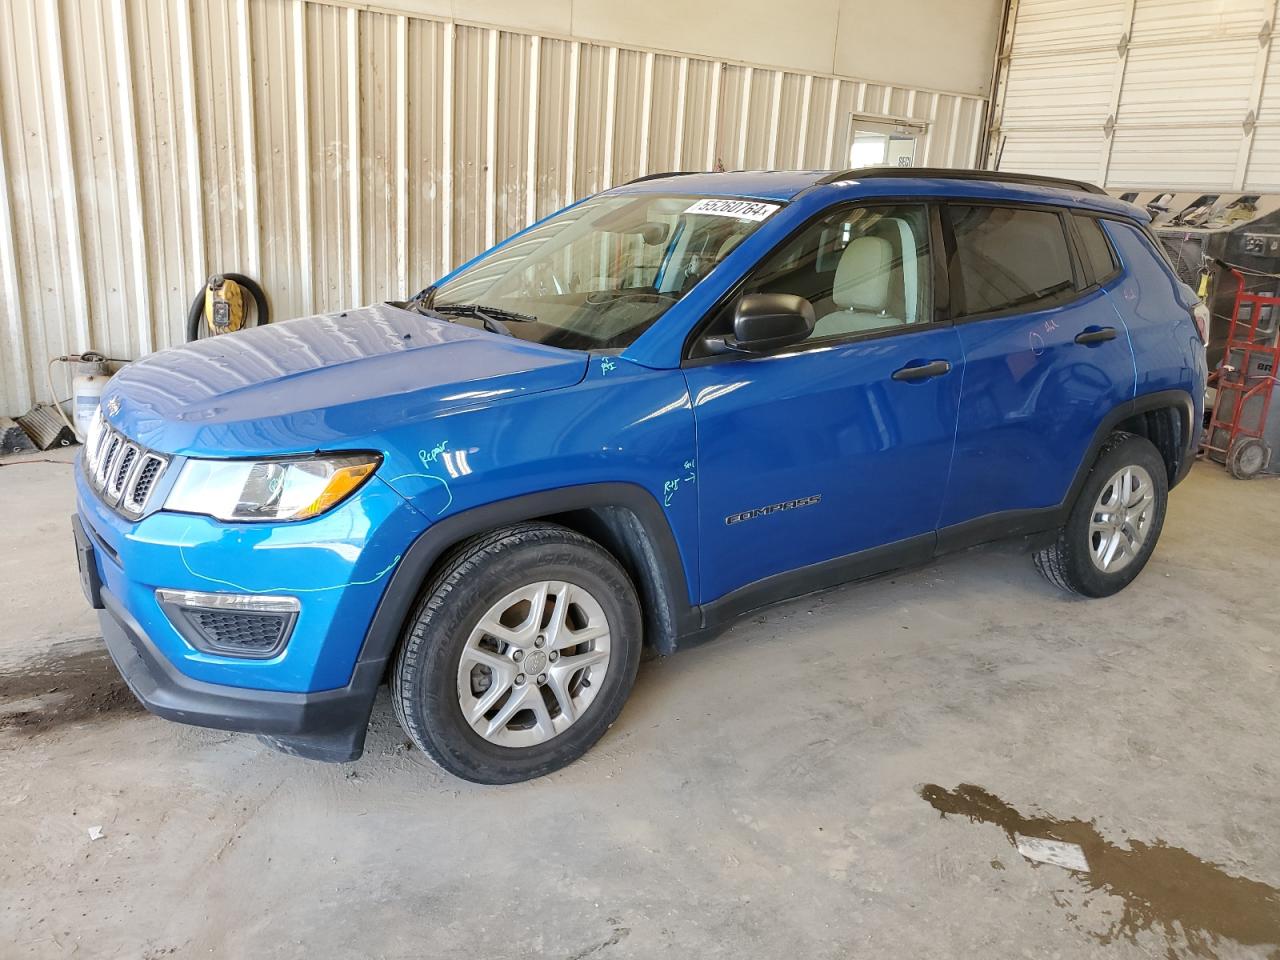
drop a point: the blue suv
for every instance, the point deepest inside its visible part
(662, 407)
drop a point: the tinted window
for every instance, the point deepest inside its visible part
(1094, 249)
(864, 269)
(1010, 258)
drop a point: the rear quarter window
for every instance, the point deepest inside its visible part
(1095, 249)
(1009, 258)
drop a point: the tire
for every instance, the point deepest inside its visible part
(1072, 561)
(447, 659)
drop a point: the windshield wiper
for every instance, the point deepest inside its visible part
(492, 317)
(492, 324)
(482, 311)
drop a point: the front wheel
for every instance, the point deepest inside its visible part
(1116, 520)
(520, 656)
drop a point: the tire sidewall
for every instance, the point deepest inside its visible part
(442, 634)
(1121, 451)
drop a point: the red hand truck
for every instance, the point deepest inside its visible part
(1244, 381)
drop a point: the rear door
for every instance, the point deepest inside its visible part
(1046, 357)
(838, 445)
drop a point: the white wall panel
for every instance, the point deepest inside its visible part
(1263, 161)
(1056, 27)
(1035, 92)
(1264, 165)
(1075, 156)
(1143, 93)
(935, 44)
(342, 154)
(1198, 21)
(1188, 84)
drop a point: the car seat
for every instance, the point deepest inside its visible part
(862, 289)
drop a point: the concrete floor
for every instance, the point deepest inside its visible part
(760, 796)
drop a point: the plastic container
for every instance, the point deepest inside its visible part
(86, 394)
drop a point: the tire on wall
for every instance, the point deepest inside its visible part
(520, 655)
(1116, 520)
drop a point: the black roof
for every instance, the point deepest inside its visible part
(949, 173)
(663, 175)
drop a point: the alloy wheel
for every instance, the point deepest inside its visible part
(1121, 518)
(533, 663)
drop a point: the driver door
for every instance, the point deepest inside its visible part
(828, 460)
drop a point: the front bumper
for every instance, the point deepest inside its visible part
(312, 698)
(328, 725)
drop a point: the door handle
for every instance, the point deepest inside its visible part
(924, 371)
(1096, 335)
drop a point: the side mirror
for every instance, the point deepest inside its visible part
(766, 321)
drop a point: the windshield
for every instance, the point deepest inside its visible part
(596, 276)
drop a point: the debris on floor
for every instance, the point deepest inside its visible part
(95, 833)
(1055, 852)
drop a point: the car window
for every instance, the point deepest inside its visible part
(1094, 249)
(1009, 258)
(597, 275)
(864, 269)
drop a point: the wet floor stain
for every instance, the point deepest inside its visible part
(1194, 904)
(51, 691)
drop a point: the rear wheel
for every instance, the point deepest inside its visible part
(1115, 523)
(520, 656)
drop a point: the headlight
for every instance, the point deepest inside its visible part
(93, 439)
(269, 489)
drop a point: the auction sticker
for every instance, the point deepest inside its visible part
(738, 209)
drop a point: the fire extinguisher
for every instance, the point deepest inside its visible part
(220, 306)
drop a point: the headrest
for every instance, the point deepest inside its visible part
(862, 275)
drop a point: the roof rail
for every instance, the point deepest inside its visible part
(660, 176)
(948, 173)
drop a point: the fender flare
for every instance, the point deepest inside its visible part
(659, 554)
(1159, 400)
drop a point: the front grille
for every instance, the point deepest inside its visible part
(122, 472)
(111, 446)
(239, 632)
(128, 457)
(148, 473)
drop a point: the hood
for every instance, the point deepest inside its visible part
(323, 381)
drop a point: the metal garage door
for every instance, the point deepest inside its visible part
(1167, 93)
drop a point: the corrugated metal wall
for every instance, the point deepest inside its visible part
(341, 155)
(1183, 94)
